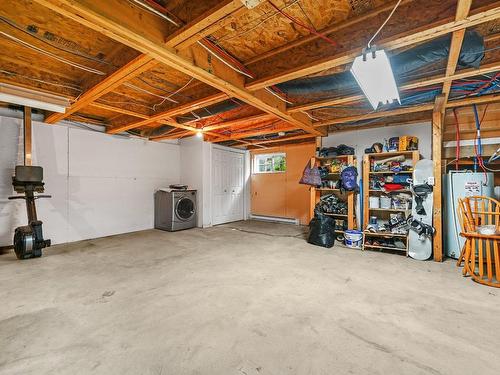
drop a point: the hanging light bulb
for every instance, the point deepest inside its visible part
(372, 70)
(199, 133)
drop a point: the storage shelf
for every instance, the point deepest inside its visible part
(389, 192)
(320, 158)
(390, 153)
(390, 210)
(389, 172)
(349, 198)
(385, 247)
(381, 234)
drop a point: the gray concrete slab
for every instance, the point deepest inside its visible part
(243, 298)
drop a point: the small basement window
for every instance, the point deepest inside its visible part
(269, 163)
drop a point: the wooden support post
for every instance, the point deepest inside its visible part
(437, 144)
(314, 195)
(27, 136)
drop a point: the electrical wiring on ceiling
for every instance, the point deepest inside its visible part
(260, 21)
(156, 12)
(309, 28)
(63, 85)
(139, 89)
(174, 93)
(125, 102)
(55, 45)
(224, 61)
(50, 54)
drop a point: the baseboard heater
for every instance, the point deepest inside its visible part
(275, 219)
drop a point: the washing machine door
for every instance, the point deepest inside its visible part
(185, 208)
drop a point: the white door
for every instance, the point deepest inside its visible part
(227, 186)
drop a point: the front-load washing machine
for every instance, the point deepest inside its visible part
(175, 209)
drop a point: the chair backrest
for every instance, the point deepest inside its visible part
(478, 211)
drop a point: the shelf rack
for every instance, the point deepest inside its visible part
(350, 197)
(413, 156)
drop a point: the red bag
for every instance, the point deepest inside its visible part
(310, 176)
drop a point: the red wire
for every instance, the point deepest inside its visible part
(295, 20)
(457, 154)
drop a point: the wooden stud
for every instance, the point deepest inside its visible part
(437, 141)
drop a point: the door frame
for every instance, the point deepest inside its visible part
(246, 179)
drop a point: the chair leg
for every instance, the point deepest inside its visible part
(461, 257)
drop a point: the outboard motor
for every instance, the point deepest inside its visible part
(28, 240)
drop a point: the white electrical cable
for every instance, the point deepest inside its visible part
(154, 11)
(50, 54)
(174, 93)
(309, 115)
(276, 95)
(140, 89)
(224, 61)
(67, 86)
(381, 26)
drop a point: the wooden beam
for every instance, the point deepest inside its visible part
(98, 16)
(182, 39)
(463, 7)
(493, 67)
(280, 127)
(367, 116)
(401, 40)
(239, 121)
(282, 139)
(118, 110)
(205, 24)
(191, 106)
(437, 144)
(413, 109)
(111, 82)
(328, 30)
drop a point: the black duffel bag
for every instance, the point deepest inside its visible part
(321, 231)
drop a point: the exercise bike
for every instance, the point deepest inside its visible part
(28, 239)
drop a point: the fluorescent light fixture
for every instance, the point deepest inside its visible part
(373, 73)
(32, 98)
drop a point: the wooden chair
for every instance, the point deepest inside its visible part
(481, 254)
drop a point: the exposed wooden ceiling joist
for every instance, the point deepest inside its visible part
(481, 15)
(100, 17)
(182, 39)
(401, 40)
(457, 37)
(413, 109)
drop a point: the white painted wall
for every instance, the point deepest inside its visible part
(364, 138)
(196, 171)
(101, 184)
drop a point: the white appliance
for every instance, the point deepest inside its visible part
(460, 185)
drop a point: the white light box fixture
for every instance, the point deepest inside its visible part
(32, 98)
(374, 75)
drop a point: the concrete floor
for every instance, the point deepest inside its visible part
(230, 301)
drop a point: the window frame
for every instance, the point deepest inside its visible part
(255, 162)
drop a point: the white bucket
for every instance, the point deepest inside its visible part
(385, 202)
(374, 201)
(353, 238)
